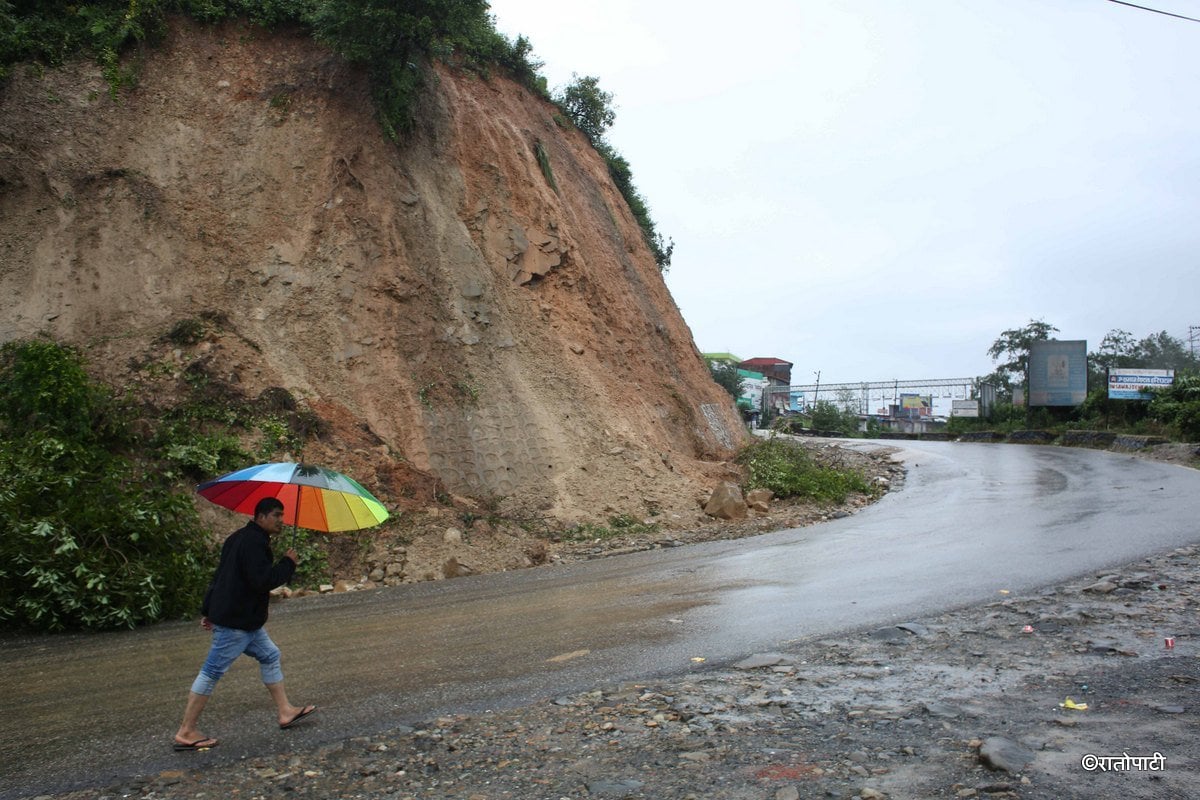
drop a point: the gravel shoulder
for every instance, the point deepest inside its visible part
(970, 703)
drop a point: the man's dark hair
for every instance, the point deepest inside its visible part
(267, 505)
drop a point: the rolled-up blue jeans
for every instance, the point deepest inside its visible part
(227, 645)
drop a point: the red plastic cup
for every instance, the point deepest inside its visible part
(1169, 642)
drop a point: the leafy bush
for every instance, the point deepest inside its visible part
(725, 375)
(1179, 406)
(51, 31)
(313, 569)
(788, 470)
(92, 538)
(186, 332)
(828, 416)
(392, 40)
(44, 386)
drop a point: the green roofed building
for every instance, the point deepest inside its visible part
(727, 358)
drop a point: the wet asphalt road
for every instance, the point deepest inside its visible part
(972, 520)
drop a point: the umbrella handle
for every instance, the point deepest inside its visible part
(296, 521)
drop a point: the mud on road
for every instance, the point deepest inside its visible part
(969, 703)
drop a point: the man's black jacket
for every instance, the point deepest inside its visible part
(240, 591)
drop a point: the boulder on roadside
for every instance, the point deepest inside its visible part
(726, 502)
(999, 753)
(759, 499)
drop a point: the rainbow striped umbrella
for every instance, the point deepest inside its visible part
(313, 497)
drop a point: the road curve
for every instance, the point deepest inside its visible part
(972, 520)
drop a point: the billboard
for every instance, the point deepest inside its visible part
(795, 400)
(1057, 373)
(964, 408)
(916, 405)
(1130, 384)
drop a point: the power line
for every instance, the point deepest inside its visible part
(1155, 10)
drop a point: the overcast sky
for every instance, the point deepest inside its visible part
(876, 189)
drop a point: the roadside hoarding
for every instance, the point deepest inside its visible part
(964, 408)
(915, 401)
(1133, 384)
(916, 405)
(1058, 373)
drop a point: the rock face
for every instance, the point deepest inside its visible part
(465, 318)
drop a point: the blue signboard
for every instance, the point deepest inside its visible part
(1135, 384)
(1057, 373)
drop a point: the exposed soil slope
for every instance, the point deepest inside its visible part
(456, 319)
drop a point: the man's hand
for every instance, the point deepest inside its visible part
(292, 555)
(206, 623)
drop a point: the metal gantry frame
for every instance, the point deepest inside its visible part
(865, 389)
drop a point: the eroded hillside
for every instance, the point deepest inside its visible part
(450, 312)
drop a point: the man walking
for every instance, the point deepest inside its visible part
(235, 610)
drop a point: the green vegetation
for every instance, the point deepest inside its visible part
(392, 41)
(590, 109)
(622, 175)
(620, 525)
(726, 376)
(787, 469)
(829, 416)
(1012, 348)
(94, 536)
(543, 159)
(588, 106)
(314, 560)
(96, 505)
(1179, 407)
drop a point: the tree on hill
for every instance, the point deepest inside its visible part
(726, 376)
(588, 106)
(1013, 346)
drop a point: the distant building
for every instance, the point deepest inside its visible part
(721, 358)
(777, 371)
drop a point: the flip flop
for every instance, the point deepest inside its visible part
(304, 712)
(199, 744)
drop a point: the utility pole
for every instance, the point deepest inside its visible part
(817, 390)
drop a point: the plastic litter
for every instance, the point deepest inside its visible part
(1073, 705)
